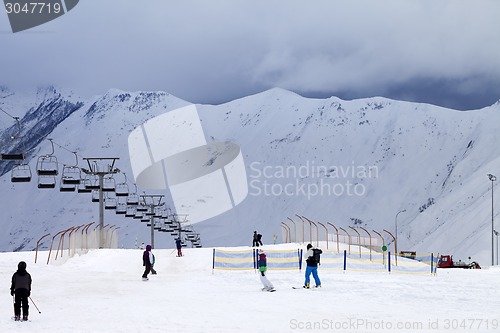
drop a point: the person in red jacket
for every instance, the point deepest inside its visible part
(147, 261)
(20, 288)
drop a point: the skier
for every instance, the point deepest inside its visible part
(262, 264)
(147, 259)
(178, 244)
(21, 290)
(313, 258)
(256, 239)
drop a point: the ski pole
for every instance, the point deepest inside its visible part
(35, 305)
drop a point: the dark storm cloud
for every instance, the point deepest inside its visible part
(440, 52)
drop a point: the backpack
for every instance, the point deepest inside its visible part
(316, 255)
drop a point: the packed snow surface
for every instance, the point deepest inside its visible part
(102, 291)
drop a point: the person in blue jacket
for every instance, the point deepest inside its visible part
(147, 260)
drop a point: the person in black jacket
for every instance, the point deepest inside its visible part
(21, 290)
(147, 261)
(312, 260)
(257, 239)
(178, 245)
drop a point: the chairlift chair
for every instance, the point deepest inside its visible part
(46, 181)
(138, 215)
(121, 208)
(67, 187)
(159, 212)
(71, 175)
(13, 157)
(16, 155)
(130, 211)
(82, 188)
(133, 199)
(21, 173)
(142, 208)
(95, 195)
(91, 182)
(121, 190)
(109, 203)
(109, 184)
(46, 165)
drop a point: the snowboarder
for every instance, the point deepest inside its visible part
(313, 259)
(262, 265)
(257, 239)
(21, 290)
(147, 259)
(178, 244)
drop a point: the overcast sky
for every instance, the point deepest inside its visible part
(209, 51)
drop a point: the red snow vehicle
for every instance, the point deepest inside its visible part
(446, 261)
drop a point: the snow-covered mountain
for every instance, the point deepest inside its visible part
(350, 163)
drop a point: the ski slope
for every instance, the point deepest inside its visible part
(102, 292)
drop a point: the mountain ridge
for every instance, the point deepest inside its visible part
(425, 156)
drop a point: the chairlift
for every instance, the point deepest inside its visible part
(130, 212)
(142, 208)
(159, 212)
(95, 195)
(46, 165)
(91, 182)
(138, 215)
(150, 212)
(46, 181)
(110, 202)
(82, 188)
(71, 174)
(133, 197)
(21, 173)
(122, 189)
(109, 184)
(65, 187)
(145, 219)
(121, 208)
(15, 155)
